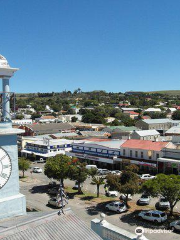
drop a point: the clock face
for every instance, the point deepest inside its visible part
(5, 167)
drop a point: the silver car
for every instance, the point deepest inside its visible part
(163, 203)
(56, 202)
(175, 225)
(144, 199)
(116, 207)
(153, 216)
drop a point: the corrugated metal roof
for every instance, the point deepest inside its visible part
(92, 133)
(147, 133)
(50, 127)
(175, 130)
(113, 144)
(51, 227)
(162, 120)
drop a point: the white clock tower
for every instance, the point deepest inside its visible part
(12, 203)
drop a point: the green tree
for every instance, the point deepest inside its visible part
(167, 186)
(115, 123)
(58, 167)
(133, 168)
(176, 115)
(78, 172)
(127, 183)
(24, 164)
(92, 171)
(74, 119)
(98, 181)
(19, 116)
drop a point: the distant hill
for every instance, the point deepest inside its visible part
(168, 92)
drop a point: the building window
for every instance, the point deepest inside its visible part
(157, 155)
(136, 153)
(124, 152)
(142, 155)
(130, 153)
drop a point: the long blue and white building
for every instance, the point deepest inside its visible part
(104, 154)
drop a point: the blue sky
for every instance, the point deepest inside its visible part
(112, 45)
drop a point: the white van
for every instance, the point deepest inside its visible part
(91, 166)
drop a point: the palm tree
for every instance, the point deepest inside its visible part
(97, 181)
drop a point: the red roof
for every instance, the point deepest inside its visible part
(144, 144)
(146, 117)
(132, 112)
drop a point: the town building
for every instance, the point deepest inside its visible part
(153, 110)
(46, 119)
(129, 109)
(161, 125)
(144, 153)
(120, 132)
(47, 128)
(169, 163)
(103, 153)
(16, 122)
(152, 135)
(68, 118)
(109, 119)
(25, 110)
(45, 148)
(132, 114)
(87, 126)
(173, 131)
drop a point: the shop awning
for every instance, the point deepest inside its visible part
(168, 160)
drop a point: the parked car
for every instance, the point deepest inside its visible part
(175, 225)
(56, 203)
(147, 177)
(37, 170)
(53, 191)
(144, 199)
(163, 203)
(76, 185)
(112, 193)
(153, 216)
(116, 172)
(116, 207)
(104, 172)
(123, 197)
(99, 170)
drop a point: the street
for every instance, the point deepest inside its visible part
(34, 187)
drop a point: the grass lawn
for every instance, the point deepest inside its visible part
(86, 196)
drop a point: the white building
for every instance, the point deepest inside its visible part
(152, 135)
(68, 118)
(153, 110)
(45, 148)
(21, 121)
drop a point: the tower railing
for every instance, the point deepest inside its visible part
(10, 97)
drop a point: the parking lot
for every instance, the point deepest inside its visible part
(35, 187)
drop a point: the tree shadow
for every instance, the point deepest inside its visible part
(39, 189)
(99, 208)
(72, 195)
(87, 198)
